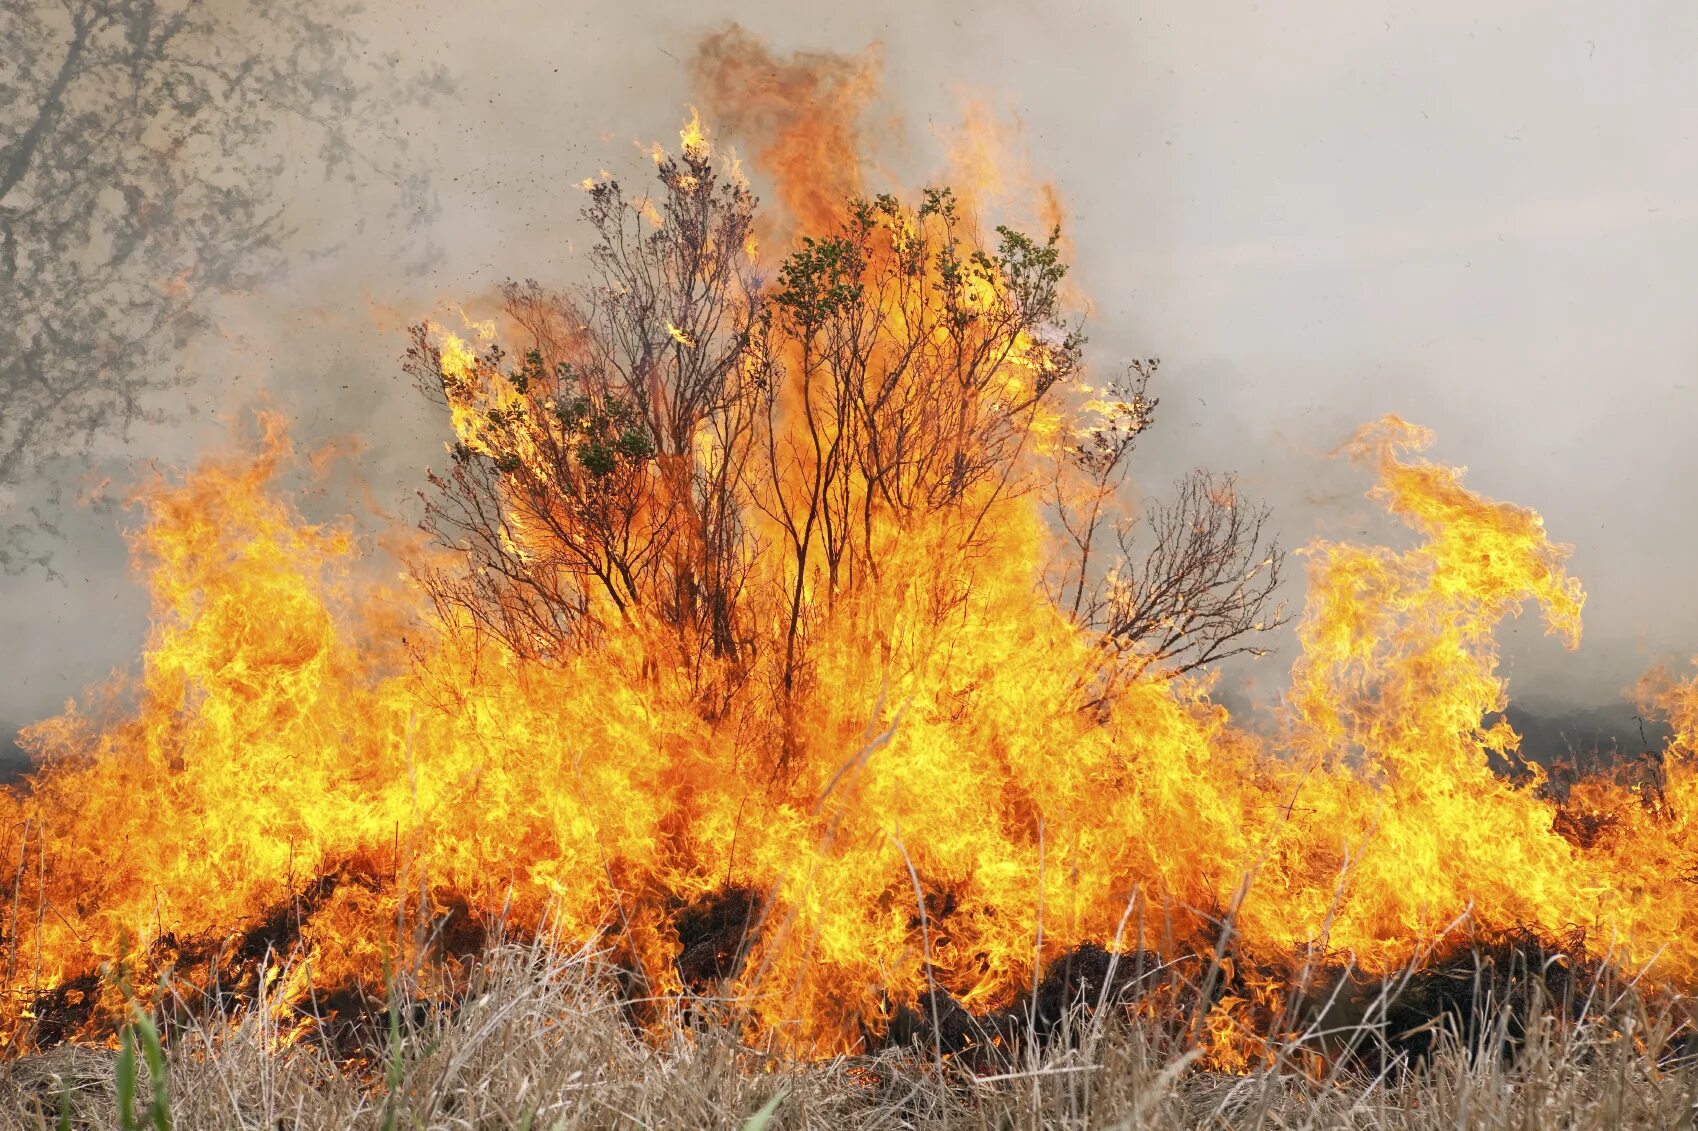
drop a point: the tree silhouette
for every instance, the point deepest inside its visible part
(141, 148)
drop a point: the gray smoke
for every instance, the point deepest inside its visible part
(1481, 216)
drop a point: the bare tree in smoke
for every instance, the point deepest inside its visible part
(1190, 581)
(1196, 579)
(142, 144)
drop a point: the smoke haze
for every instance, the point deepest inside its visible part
(1482, 217)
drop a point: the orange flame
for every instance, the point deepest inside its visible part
(806, 111)
(311, 756)
(278, 737)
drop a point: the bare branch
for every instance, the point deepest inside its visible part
(1196, 583)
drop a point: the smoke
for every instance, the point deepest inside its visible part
(1480, 220)
(802, 114)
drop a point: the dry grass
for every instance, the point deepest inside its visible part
(543, 1042)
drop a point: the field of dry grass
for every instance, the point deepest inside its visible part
(542, 1041)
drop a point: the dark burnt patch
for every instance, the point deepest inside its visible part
(65, 1011)
(714, 936)
(1492, 984)
(1086, 978)
(459, 932)
(936, 1017)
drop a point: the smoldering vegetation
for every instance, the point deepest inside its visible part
(1485, 1029)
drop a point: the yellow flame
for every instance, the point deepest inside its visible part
(693, 138)
(302, 736)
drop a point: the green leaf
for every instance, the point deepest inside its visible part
(125, 1080)
(759, 1120)
(159, 1111)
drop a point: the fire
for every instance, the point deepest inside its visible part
(776, 666)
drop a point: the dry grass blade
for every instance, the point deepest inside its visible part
(542, 1043)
